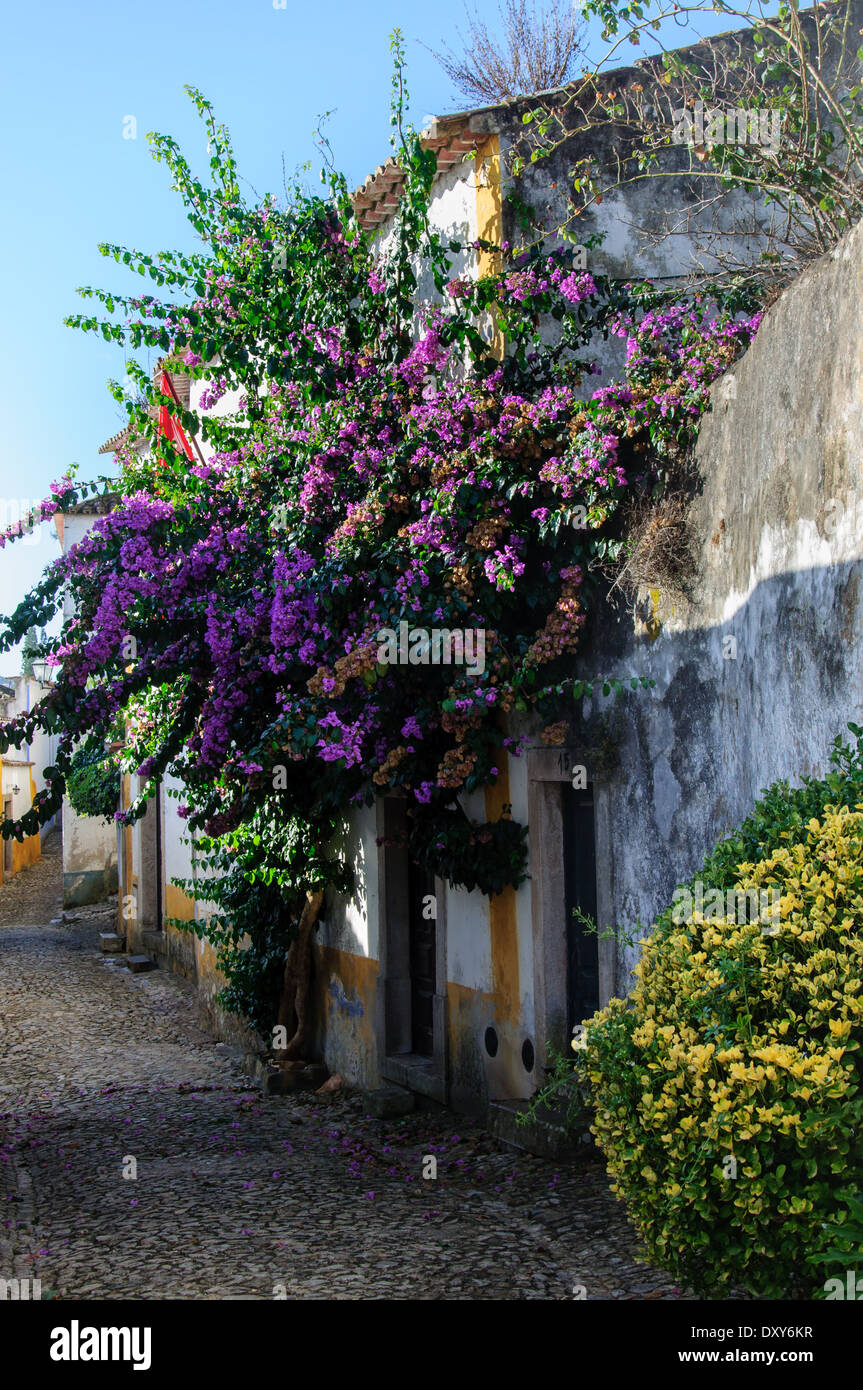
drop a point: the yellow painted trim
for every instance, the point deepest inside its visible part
(347, 1014)
(359, 974)
(503, 923)
(178, 904)
(489, 216)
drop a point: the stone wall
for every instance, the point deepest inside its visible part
(760, 669)
(652, 227)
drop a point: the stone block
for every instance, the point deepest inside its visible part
(546, 1135)
(138, 964)
(110, 943)
(280, 1079)
(272, 1081)
(387, 1102)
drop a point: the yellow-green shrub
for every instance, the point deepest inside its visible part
(741, 1051)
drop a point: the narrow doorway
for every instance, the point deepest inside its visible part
(412, 1002)
(582, 944)
(7, 844)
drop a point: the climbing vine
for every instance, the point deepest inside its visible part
(93, 783)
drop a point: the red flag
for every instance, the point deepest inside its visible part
(169, 426)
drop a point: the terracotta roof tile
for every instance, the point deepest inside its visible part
(451, 138)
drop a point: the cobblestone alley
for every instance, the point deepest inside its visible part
(238, 1195)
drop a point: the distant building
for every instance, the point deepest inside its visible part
(21, 773)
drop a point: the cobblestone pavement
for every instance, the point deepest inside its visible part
(238, 1195)
(35, 894)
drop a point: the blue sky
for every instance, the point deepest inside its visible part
(71, 75)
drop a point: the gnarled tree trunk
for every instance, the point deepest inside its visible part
(294, 1011)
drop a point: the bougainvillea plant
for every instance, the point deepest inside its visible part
(365, 471)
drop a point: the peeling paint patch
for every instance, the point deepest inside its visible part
(352, 1007)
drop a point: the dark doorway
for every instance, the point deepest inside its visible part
(423, 960)
(7, 844)
(582, 946)
(412, 995)
(150, 866)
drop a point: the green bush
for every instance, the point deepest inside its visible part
(93, 783)
(257, 877)
(726, 1090)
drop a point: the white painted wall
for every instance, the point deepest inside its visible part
(351, 923)
(177, 859)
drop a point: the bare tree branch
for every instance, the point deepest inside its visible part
(536, 47)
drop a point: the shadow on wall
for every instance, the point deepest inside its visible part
(90, 886)
(737, 706)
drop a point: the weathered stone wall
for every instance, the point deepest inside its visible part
(778, 528)
(648, 204)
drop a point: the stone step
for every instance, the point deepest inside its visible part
(138, 964)
(545, 1135)
(386, 1102)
